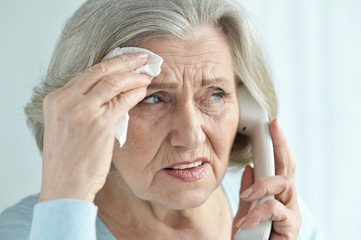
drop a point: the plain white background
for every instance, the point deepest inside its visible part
(314, 50)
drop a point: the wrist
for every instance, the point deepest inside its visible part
(54, 193)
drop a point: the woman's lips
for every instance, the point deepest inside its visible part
(188, 171)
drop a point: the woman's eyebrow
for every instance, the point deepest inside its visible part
(210, 81)
(163, 86)
(174, 85)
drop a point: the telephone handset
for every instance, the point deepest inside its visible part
(254, 124)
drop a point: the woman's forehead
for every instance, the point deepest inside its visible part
(204, 56)
(207, 44)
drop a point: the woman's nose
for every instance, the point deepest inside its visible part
(187, 132)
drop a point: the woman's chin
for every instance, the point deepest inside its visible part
(185, 201)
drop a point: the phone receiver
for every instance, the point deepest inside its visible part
(254, 124)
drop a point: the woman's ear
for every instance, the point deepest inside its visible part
(241, 152)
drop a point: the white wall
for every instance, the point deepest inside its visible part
(315, 52)
(28, 30)
(314, 48)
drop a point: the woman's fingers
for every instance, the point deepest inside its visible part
(286, 222)
(247, 181)
(269, 210)
(284, 164)
(79, 135)
(87, 79)
(283, 210)
(274, 185)
(281, 185)
(121, 104)
(280, 149)
(111, 86)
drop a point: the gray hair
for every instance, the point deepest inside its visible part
(99, 26)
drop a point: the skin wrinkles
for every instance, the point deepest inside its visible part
(180, 71)
(197, 116)
(193, 58)
(215, 82)
(174, 85)
(188, 73)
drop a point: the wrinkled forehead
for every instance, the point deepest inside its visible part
(206, 54)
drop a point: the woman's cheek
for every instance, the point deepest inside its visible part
(145, 130)
(221, 129)
(142, 139)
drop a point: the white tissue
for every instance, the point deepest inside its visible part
(152, 68)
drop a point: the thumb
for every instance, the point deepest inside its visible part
(243, 207)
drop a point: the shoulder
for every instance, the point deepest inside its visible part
(15, 221)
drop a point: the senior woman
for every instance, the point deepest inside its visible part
(186, 118)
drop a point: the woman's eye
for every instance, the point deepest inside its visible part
(152, 99)
(218, 94)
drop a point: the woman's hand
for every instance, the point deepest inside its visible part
(79, 126)
(283, 210)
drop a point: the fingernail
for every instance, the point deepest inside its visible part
(141, 55)
(246, 193)
(240, 223)
(277, 123)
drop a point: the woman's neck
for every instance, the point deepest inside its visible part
(125, 214)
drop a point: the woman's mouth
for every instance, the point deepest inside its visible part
(186, 166)
(188, 172)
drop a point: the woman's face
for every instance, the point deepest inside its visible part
(180, 136)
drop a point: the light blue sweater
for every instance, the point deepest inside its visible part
(76, 219)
